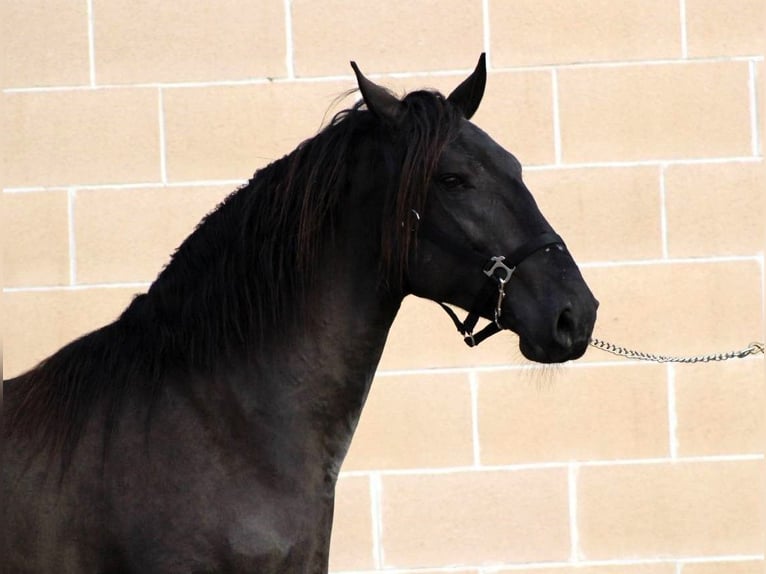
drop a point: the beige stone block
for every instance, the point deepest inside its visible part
(715, 209)
(35, 239)
(574, 413)
(720, 408)
(653, 112)
(414, 421)
(130, 234)
(145, 41)
(715, 29)
(678, 509)
(227, 132)
(517, 111)
(38, 323)
(474, 518)
(80, 137)
(534, 32)
(44, 43)
(394, 36)
(351, 543)
(603, 214)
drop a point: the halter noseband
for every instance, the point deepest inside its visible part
(498, 269)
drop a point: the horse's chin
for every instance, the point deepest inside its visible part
(551, 353)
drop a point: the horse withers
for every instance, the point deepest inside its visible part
(203, 430)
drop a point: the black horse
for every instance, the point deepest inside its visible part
(203, 430)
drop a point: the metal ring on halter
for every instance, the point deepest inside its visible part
(417, 219)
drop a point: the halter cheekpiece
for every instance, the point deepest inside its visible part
(499, 271)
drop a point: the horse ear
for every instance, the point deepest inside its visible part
(467, 96)
(379, 100)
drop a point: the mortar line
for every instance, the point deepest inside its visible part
(755, 136)
(663, 214)
(574, 533)
(542, 565)
(527, 168)
(672, 411)
(556, 117)
(721, 558)
(163, 143)
(135, 185)
(473, 379)
(402, 74)
(556, 465)
(71, 196)
(642, 163)
(289, 52)
(669, 261)
(762, 265)
(78, 287)
(510, 366)
(91, 45)
(376, 519)
(487, 32)
(684, 36)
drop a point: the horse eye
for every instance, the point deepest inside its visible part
(451, 180)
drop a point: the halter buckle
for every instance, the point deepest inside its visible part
(497, 263)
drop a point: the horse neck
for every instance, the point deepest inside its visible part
(310, 383)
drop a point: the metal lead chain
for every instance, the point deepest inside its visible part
(753, 348)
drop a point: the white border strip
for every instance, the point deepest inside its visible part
(487, 31)
(574, 533)
(672, 411)
(684, 35)
(563, 465)
(755, 140)
(401, 74)
(376, 490)
(473, 381)
(289, 50)
(91, 46)
(71, 198)
(163, 150)
(556, 118)
(527, 168)
(491, 569)
(664, 215)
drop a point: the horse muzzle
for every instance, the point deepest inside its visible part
(556, 334)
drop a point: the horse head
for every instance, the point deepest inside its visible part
(481, 241)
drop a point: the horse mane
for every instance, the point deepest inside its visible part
(240, 277)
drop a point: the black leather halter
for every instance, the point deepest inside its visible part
(498, 269)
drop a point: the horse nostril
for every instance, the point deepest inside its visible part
(564, 329)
